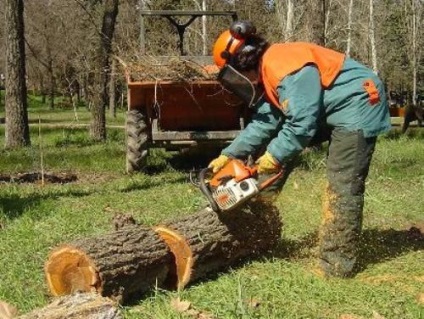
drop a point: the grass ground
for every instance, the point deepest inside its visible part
(34, 218)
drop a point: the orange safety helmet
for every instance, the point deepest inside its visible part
(225, 46)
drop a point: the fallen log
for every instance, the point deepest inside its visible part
(172, 254)
(77, 306)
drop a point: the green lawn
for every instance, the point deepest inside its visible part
(35, 218)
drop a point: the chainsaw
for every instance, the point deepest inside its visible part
(232, 185)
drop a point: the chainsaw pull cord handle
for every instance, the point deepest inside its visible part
(205, 189)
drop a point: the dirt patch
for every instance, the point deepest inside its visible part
(38, 178)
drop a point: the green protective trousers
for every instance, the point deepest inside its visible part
(348, 161)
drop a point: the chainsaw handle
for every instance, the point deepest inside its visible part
(205, 189)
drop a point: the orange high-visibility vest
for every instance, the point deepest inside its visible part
(283, 59)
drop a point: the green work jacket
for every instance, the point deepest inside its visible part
(306, 107)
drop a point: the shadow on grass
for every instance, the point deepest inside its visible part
(193, 160)
(412, 132)
(14, 206)
(381, 245)
(179, 161)
(376, 246)
(148, 183)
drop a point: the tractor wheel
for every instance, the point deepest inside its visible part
(137, 140)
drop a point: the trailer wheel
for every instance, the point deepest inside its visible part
(137, 141)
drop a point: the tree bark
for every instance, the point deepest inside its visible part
(135, 259)
(77, 306)
(17, 129)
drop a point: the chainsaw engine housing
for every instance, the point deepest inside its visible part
(232, 185)
(233, 193)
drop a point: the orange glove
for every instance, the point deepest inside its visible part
(267, 164)
(219, 163)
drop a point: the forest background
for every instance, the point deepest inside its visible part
(68, 45)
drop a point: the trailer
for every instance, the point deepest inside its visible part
(187, 112)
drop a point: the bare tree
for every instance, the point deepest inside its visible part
(316, 17)
(142, 5)
(288, 34)
(112, 89)
(372, 37)
(42, 36)
(349, 28)
(204, 30)
(100, 93)
(415, 25)
(17, 129)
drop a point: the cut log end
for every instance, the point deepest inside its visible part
(178, 245)
(69, 270)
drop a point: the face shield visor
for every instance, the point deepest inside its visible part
(240, 85)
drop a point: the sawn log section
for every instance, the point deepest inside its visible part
(117, 264)
(136, 258)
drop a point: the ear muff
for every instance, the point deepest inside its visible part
(242, 29)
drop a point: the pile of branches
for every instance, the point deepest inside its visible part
(177, 68)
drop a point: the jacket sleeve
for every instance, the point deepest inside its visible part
(265, 124)
(300, 97)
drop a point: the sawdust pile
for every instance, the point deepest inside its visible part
(149, 68)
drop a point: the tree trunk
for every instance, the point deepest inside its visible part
(77, 306)
(51, 81)
(204, 30)
(288, 34)
(416, 9)
(142, 36)
(100, 100)
(316, 21)
(134, 259)
(372, 38)
(349, 28)
(112, 89)
(17, 129)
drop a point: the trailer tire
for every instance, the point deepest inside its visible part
(138, 140)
